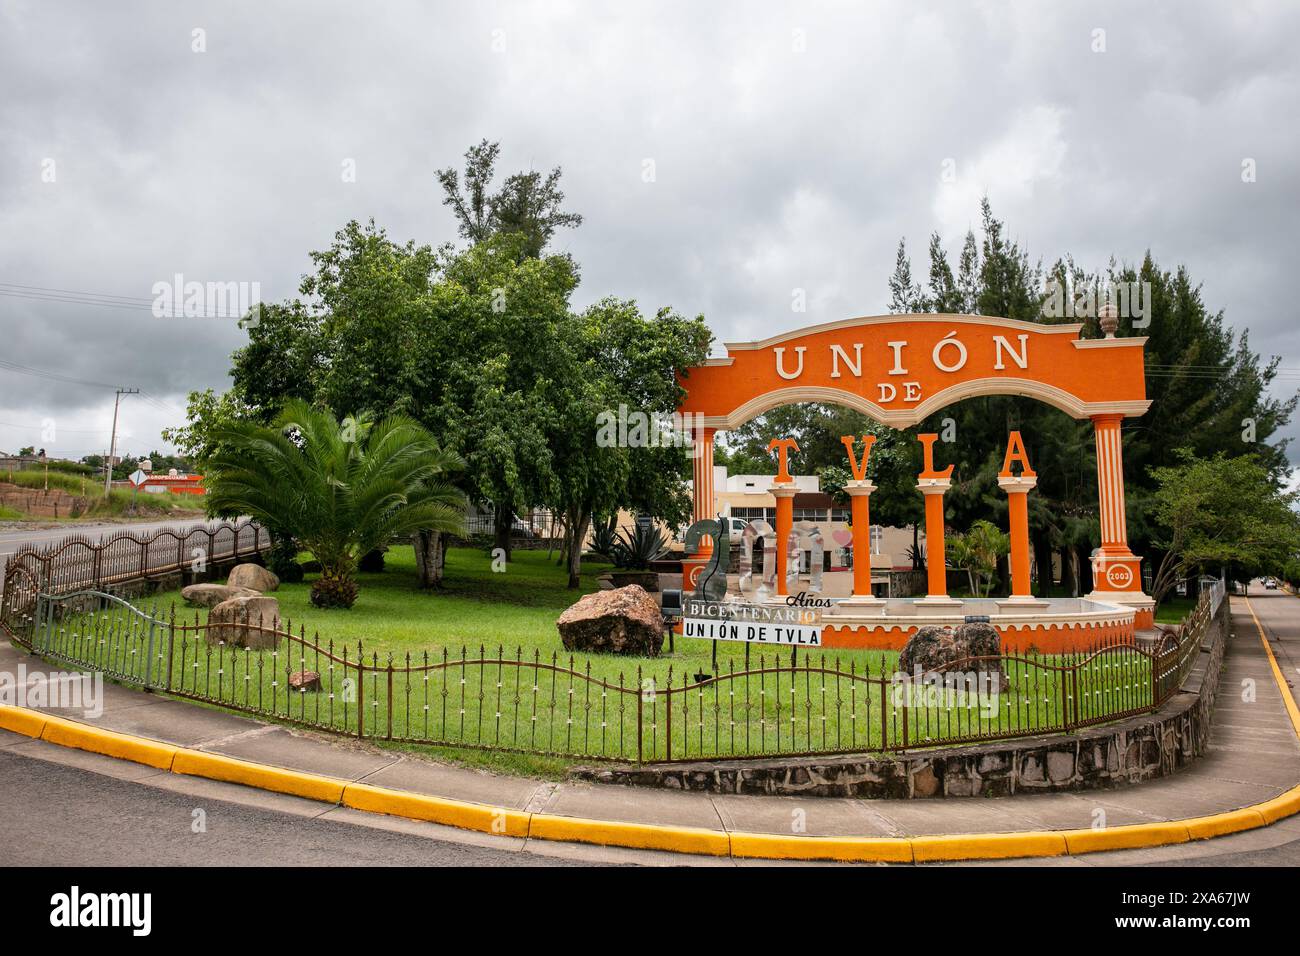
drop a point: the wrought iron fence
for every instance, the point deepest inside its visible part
(802, 704)
(537, 524)
(1217, 589)
(78, 562)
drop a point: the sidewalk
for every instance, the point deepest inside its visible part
(1254, 757)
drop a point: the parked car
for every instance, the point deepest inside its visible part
(736, 531)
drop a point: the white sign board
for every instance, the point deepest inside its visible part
(753, 632)
(751, 623)
(138, 477)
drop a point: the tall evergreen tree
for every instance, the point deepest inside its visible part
(944, 295)
(968, 270)
(905, 296)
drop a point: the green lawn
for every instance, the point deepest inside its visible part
(480, 665)
(1174, 608)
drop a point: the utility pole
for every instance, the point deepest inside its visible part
(112, 440)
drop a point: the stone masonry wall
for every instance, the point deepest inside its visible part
(1141, 748)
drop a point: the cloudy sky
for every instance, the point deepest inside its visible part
(791, 146)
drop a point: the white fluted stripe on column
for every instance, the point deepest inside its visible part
(1103, 479)
(1121, 523)
(1106, 475)
(703, 476)
(1110, 481)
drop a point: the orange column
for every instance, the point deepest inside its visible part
(936, 558)
(703, 510)
(860, 498)
(784, 493)
(1110, 484)
(933, 483)
(1116, 571)
(1017, 490)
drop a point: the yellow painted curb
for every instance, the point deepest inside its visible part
(69, 733)
(454, 813)
(1280, 807)
(639, 836)
(1126, 837)
(1220, 824)
(196, 763)
(773, 846)
(987, 846)
(19, 720)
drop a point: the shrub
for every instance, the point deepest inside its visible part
(633, 551)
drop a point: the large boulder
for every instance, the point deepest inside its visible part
(304, 681)
(252, 576)
(936, 648)
(251, 622)
(210, 595)
(622, 621)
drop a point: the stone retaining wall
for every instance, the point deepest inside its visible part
(1141, 748)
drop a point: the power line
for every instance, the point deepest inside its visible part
(96, 295)
(54, 376)
(66, 431)
(131, 307)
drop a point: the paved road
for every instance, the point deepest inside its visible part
(64, 816)
(11, 541)
(1279, 612)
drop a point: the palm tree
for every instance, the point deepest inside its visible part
(339, 488)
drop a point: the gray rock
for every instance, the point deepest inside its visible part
(251, 622)
(622, 621)
(210, 595)
(934, 648)
(252, 576)
(304, 681)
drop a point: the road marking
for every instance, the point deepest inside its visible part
(1279, 678)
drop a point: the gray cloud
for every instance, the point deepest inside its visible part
(775, 169)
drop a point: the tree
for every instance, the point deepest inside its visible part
(339, 488)
(457, 340)
(1221, 512)
(619, 358)
(206, 415)
(527, 204)
(282, 360)
(370, 299)
(905, 297)
(977, 552)
(832, 479)
(500, 335)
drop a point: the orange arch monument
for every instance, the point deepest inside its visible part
(898, 369)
